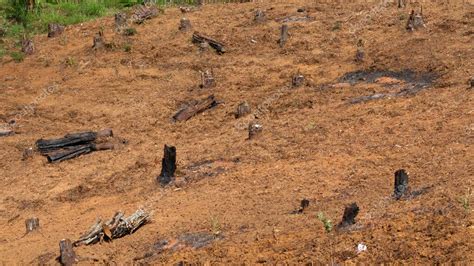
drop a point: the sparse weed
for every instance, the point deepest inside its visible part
(70, 61)
(17, 56)
(337, 26)
(130, 31)
(466, 201)
(215, 225)
(327, 223)
(127, 47)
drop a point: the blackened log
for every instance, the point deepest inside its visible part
(31, 224)
(199, 39)
(46, 146)
(168, 165)
(401, 184)
(193, 109)
(76, 151)
(283, 35)
(350, 213)
(68, 256)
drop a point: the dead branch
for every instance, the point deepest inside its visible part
(199, 38)
(195, 108)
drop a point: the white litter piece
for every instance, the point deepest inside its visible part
(361, 248)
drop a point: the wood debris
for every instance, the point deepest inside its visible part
(294, 19)
(144, 12)
(6, 132)
(67, 255)
(207, 79)
(116, 227)
(31, 224)
(194, 108)
(199, 38)
(73, 145)
(242, 110)
(415, 21)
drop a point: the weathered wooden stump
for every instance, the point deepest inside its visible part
(415, 21)
(360, 54)
(55, 30)
(168, 165)
(120, 21)
(27, 154)
(243, 109)
(67, 255)
(350, 213)
(283, 35)
(99, 41)
(185, 24)
(297, 80)
(401, 184)
(260, 16)
(207, 79)
(255, 129)
(27, 46)
(31, 224)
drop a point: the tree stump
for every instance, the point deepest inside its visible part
(185, 24)
(401, 184)
(297, 80)
(415, 21)
(260, 16)
(283, 35)
(242, 110)
(120, 21)
(207, 79)
(55, 30)
(168, 165)
(27, 46)
(31, 224)
(255, 129)
(360, 54)
(350, 213)
(67, 255)
(99, 41)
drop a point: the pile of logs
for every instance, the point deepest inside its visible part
(73, 145)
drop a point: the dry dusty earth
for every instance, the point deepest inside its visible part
(233, 197)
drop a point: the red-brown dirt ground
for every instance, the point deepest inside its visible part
(315, 144)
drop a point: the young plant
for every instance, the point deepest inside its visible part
(327, 223)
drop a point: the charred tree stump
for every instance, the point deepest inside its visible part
(401, 184)
(242, 110)
(207, 79)
(195, 108)
(297, 80)
(350, 213)
(260, 16)
(31, 224)
(27, 46)
(303, 205)
(283, 35)
(48, 145)
(199, 39)
(185, 24)
(168, 165)
(55, 30)
(255, 129)
(67, 255)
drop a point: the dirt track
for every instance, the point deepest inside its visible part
(315, 144)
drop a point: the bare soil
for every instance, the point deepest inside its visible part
(233, 198)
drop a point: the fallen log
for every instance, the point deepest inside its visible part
(198, 38)
(76, 151)
(67, 255)
(168, 165)
(46, 146)
(195, 108)
(116, 227)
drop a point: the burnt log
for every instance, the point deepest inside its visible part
(6, 132)
(76, 151)
(401, 184)
(31, 224)
(184, 24)
(195, 108)
(55, 30)
(283, 35)
(67, 255)
(350, 213)
(168, 165)
(199, 38)
(46, 146)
